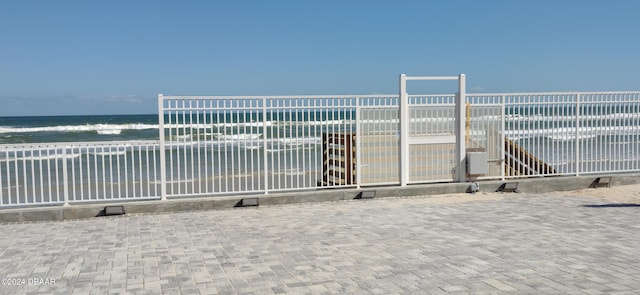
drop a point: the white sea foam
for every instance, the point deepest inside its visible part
(99, 128)
(252, 147)
(245, 124)
(109, 131)
(118, 128)
(568, 133)
(568, 137)
(583, 117)
(243, 136)
(41, 157)
(276, 150)
(299, 142)
(109, 153)
(183, 137)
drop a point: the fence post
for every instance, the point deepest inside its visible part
(461, 118)
(163, 164)
(404, 131)
(358, 150)
(65, 180)
(502, 139)
(577, 151)
(265, 155)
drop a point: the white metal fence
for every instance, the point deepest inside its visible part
(227, 145)
(572, 133)
(60, 173)
(259, 144)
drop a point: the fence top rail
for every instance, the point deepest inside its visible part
(71, 144)
(430, 78)
(206, 97)
(553, 93)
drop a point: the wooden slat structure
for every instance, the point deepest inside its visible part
(519, 161)
(338, 159)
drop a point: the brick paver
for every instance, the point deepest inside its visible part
(537, 244)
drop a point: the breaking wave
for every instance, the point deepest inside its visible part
(112, 129)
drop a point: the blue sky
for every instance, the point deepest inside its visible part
(113, 57)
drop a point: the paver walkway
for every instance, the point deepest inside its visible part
(515, 243)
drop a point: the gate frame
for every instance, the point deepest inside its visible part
(460, 113)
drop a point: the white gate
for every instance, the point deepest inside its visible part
(432, 130)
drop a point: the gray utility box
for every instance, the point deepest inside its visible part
(477, 163)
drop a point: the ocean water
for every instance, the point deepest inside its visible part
(78, 128)
(548, 132)
(227, 142)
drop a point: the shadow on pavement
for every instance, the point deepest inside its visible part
(613, 205)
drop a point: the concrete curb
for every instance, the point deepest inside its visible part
(82, 211)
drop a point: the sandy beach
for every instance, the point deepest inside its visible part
(614, 194)
(623, 194)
